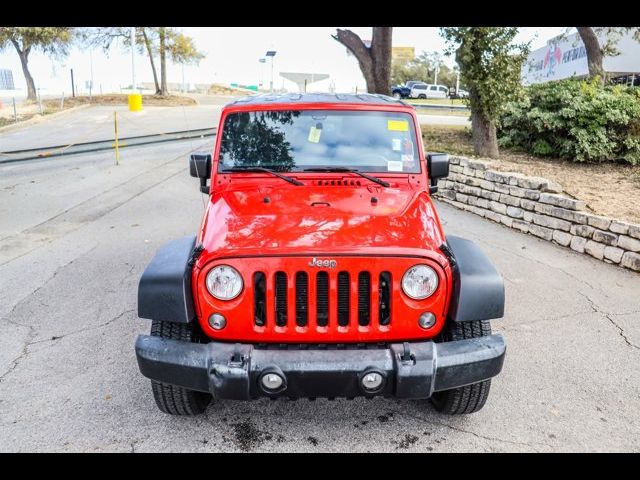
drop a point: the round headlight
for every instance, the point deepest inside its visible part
(224, 282)
(419, 282)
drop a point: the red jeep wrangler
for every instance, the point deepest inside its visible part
(321, 268)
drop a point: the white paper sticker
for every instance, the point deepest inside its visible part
(394, 166)
(396, 144)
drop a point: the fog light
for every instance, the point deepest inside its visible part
(427, 320)
(272, 381)
(217, 321)
(372, 381)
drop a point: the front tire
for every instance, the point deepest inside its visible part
(470, 398)
(172, 399)
(422, 97)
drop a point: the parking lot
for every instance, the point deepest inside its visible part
(77, 232)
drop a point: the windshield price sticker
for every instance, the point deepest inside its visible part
(314, 134)
(396, 144)
(394, 166)
(398, 125)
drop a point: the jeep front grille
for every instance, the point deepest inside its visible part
(302, 299)
(352, 305)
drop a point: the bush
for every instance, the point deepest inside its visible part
(576, 120)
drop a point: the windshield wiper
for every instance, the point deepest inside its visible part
(377, 180)
(262, 169)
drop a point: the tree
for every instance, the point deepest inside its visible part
(145, 39)
(54, 41)
(152, 41)
(374, 60)
(491, 64)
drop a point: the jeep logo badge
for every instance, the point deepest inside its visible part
(323, 263)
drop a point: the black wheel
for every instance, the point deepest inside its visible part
(470, 398)
(423, 97)
(397, 95)
(170, 398)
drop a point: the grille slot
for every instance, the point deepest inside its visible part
(364, 298)
(384, 307)
(259, 299)
(343, 299)
(302, 298)
(322, 299)
(281, 299)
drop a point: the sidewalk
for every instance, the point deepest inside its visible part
(97, 124)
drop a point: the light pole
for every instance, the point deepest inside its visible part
(91, 64)
(271, 53)
(435, 80)
(261, 61)
(133, 59)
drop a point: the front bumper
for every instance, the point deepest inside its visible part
(234, 371)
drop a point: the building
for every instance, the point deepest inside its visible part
(567, 57)
(6, 79)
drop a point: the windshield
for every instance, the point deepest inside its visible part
(295, 140)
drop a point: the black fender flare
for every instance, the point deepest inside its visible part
(478, 288)
(164, 291)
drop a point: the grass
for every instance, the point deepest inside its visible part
(447, 113)
(454, 139)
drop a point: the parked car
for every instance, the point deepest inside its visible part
(320, 268)
(427, 90)
(403, 91)
(459, 94)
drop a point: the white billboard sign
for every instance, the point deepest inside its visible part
(567, 57)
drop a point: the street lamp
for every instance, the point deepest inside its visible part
(271, 53)
(262, 61)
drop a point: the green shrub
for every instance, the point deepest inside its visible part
(576, 120)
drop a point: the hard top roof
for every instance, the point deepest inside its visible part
(329, 98)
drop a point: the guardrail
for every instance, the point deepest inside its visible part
(439, 106)
(108, 144)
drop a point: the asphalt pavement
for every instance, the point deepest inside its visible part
(77, 232)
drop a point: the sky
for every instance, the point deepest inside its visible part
(232, 55)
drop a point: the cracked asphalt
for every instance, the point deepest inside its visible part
(77, 232)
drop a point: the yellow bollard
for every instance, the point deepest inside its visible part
(115, 125)
(135, 102)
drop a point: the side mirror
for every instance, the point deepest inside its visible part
(437, 167)
(200, 167)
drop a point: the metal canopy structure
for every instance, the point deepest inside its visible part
(304, 79)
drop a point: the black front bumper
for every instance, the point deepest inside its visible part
(234, 371)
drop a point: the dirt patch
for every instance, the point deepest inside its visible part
(27, 110)
(609, 189)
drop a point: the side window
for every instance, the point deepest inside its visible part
(420, 87)
(443, 89)
(433, 88)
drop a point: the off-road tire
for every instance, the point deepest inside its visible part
(170, 398)
(470, 398)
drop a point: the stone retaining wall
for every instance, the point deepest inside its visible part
(535, 205)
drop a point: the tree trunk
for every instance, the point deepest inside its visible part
(484, 136)
(594, 52)
(24, 60)
(163, 64)
(381, 55)
(147, 43)
(374, 61)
